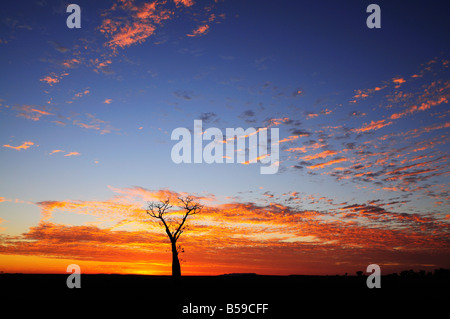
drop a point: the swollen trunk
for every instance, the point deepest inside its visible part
(176, 269)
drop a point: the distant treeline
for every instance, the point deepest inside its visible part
(441, 272)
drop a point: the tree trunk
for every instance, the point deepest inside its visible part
(176, 269)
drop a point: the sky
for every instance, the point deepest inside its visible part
(86, 117)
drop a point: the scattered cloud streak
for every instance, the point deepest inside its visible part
(23, 146)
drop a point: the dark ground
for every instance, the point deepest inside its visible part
(281, 293)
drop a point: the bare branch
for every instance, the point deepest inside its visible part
(158, 210)
(191, 208)
(190, 205)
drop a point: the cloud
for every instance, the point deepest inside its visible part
(107, 101)
(249, 116)
(31, 112)
(130, 34)
(183, 95)
(127, 23)
(208, 117)
(357, 114)
(248, 113)
(137, 24)
(50, 80)
(201, 30)
(303, 149)
(72, 154)
(23, 146)
(363, 94)
(424, 106)
(55, 151)
(297, 92)
(322, 165)
(58, 47)
(70, 63)
(373, 125)
(186, 3)
(323, 154)
(311, 115)
(53, 78)
(277, 121)
(81, 94)
(94, 123)
(289, 139)
(398, 81)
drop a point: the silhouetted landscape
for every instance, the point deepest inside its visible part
(277, 291)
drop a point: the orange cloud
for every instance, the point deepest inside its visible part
(312, 115)
(53, 78)
(24, 146)
(107, 101)
(49, 80)
(289, 139)
(394, 189)
(80, 94)
(72, 154)
(31, 112)
(70, 63)
(424, 106)
(398, 81)
(257, 159)
(277, 121)
(303, 149)
(130, 34)
(412, 174)
(362, 94)
(319, 155)
(138, 23)
(186, 3)
(372, 126)
(201, 30)
(55, 151)
(322, 165)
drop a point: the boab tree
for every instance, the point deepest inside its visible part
(174, 227)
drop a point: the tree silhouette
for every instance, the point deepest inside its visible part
(174, 227)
